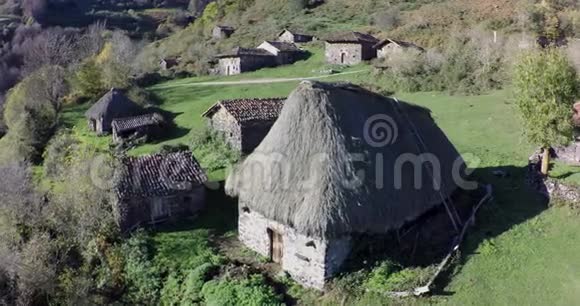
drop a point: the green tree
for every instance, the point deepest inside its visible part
(88, 80)
(545, 87)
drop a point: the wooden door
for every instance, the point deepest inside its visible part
(276, 246)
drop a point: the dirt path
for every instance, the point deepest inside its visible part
(258, 81)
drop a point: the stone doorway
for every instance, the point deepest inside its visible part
(342, 58)
(276, 246)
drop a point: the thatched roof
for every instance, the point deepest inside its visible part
(131, 123)
(159, 175)
(352, 37)
(239, 51)
(400, 43)
(113, 103)
(302, 172)
(249, 109)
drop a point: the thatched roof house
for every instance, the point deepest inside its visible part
(137, 126)
(244, 122)
(350, 48)
(300, 199)
(389, 46)
(114, 104)
(158, 187)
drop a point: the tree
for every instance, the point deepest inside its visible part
(545, 87)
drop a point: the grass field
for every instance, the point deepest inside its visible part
(521, 250)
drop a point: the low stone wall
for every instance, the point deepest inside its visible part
(550, 188)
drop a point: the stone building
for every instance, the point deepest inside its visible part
(156, 188)
(293, 37)
(168, 63)
(222, 32)
(112, 105)
(350, 48)
(301, 203)
(386, 47)
(244, 122)
(244, 59)
(285, 52)
(148, 125)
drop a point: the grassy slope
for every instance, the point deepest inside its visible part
(520, 250)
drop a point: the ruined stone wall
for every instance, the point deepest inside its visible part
(225, 124)
(309, 261)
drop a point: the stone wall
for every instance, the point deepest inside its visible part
(550, 188)
(138, 211)
(225, 124)
(348, 53)
(569, 154)
(251, 63)
(230, 66)
(388, 50)
(309, 261)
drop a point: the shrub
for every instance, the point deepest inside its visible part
(57, 154)
(193, 284)
(247, 292)
(389, 276)
(144, 280)
(212, 150)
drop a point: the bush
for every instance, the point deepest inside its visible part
(193, 284)
(144, 280)
(212, 151)
(247, 292)
(57, 154)
(392, 277)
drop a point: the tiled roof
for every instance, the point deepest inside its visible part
(130, 123)
(244, 110)
(401, 43)
(239, 51)
(353, 37)
(159, 175)
(284, 46)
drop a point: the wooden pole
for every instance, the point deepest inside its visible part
(546, 161)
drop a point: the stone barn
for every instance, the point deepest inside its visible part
(244, 59)
(303, 199)
(350, 48)
(386, 47)
(244, 122)
(148, 125)
(293, 37)
(222, 32)
(156, 188)
(112, 105)
(285, 52)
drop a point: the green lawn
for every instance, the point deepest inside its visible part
(520, 252)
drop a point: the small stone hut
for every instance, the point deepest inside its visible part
(293, 37)
(244, 122)
(155, 188)
(149, 125)
(168, 63)
(244, 59)
(222, 32)
(112, 105)
(285, 52)
(350, 48)
(303, 199)
(387, 47)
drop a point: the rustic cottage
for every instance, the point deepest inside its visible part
(350, 48)
(285, 52)
(168, 63)
(387, 47)
(156, 188)
(222, 32)
(292, 37)
(112, 105)
(304, 195)
(244, 59)
(148, 125)
(244, 122)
